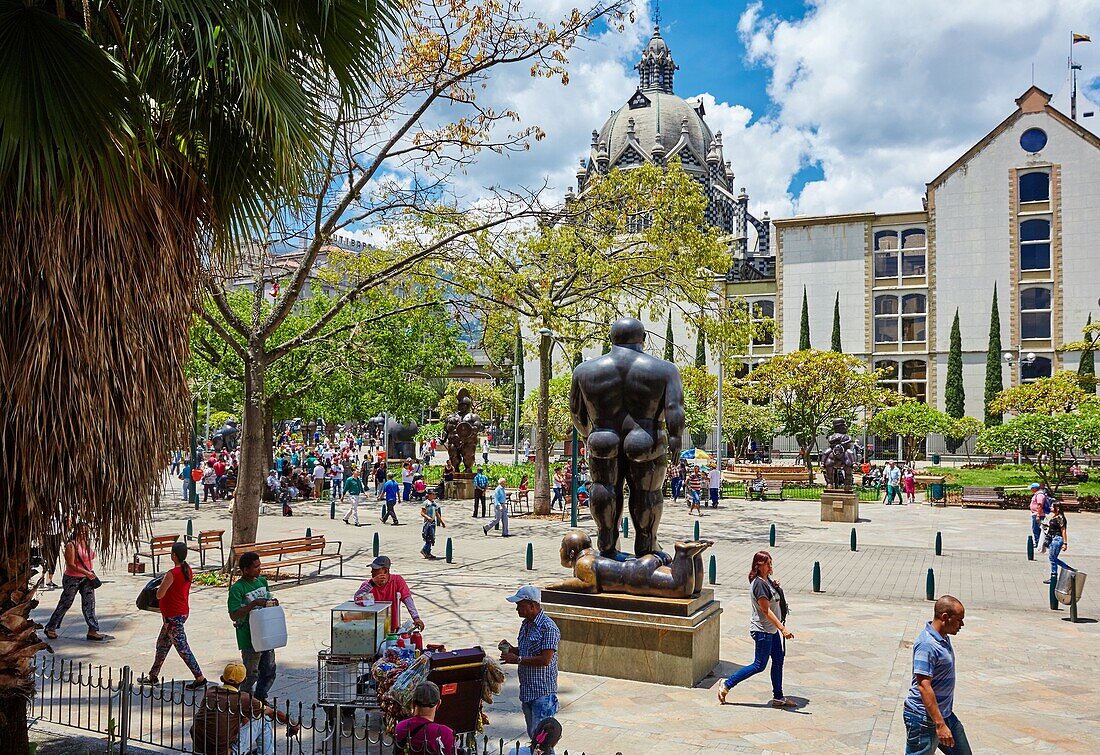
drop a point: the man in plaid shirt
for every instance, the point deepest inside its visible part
(536, 656)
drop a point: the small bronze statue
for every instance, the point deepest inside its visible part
(461, 430)
(225, 439)
(838, 460)
(629, 408)
(647, 575)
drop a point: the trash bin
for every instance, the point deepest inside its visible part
(936, 491)
(1061, 588)
(935, 460)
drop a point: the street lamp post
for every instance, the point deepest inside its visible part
(1020, 361)
(195, 462)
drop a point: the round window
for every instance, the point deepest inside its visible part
(1033, 140)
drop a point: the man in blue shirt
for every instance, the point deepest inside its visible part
(481, 486)
(930, 719)
(536, 656)
(893, 483)
(389, 491)
(500, 508)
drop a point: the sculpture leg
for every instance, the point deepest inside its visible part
(605, 491)
(646, 504)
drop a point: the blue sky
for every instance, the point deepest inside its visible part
(830, 106)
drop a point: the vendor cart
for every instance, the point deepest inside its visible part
(344, 671)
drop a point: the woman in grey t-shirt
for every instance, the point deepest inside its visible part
(766, 630)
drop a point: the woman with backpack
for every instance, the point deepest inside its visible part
(173, 595)
(766, 629)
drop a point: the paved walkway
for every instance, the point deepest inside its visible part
(1026, 676)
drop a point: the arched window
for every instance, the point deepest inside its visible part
(1035, 187)
(1035, 312)
(909, 378)
(913, 318)
(913, 246)
(1035, 244)
(886, 319)
(1041, 367)
(763, 314)
(900, 253)
(886, 254)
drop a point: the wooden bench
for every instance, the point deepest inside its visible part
(207, 540)
(277, 555)
(974, 495)
(159, 545)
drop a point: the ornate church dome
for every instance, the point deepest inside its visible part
(655, 126)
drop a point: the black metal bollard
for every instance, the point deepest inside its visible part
(696, 530)
(1050, 593)
(939, 544)
(930, 586)
(450, 552)
(332, 509)
(530, 556)
(377, 545)
(713, 570)
(771, 537)
(852, 543)
(817, 576)
(1030, 548)
(1073, 596)
(309, 532)
(626, 526)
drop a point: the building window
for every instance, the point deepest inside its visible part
(1035, 313)
(1033, 140)
(886, 319)
(894, 259)
(1035, 187)
(909, 319)
(1035, 244)
(909, 378)
(763, 313)
(1040, 367)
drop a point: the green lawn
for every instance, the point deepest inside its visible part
(1006, 475)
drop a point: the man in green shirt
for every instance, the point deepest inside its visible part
(353, 488)
(248, 593)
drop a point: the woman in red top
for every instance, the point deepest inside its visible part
(172, 595)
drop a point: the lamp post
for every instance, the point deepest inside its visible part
(1020, 359)
(574, 449)
(194, 450)
(206, 427)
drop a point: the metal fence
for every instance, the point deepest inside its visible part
(108, 701)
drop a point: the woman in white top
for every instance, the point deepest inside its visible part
(766, 630)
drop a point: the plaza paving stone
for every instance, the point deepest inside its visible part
(1027, 678)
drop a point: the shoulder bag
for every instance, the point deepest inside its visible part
(95, 583)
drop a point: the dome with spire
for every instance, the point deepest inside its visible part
(656, 126)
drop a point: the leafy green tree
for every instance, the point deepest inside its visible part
(994, 382)
(1058, 394)
(804, 325)
(559, 422)
(836, 325)
(1086, 369)
(807, 389)
(913, 421)
(670, 340)
(139, 140)
(566, 279)
(489, 400)
(1049, 442)
(700, 402)
(742, 422)
(960, 430)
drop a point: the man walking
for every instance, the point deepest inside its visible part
(319, 474)
(893, 482)
(930, 720)
(246, 595)
(537, 658)
(1038, 501)
(485, 449)
(481, 487)
(389, 492)
(714, 478)
(353, 487)
(500, 509)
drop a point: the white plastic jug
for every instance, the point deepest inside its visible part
(268, 628)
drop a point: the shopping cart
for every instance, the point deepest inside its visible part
(344, 684)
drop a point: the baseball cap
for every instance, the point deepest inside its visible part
(426, 694)
(1034, 486)
(234, 673)
(527, 592)
(381, 562)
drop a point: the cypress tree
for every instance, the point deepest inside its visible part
(701, 350)
(836, 326)
(954, 396)
(520, 361)
(1086, 370)
(670, 344)
(804, 330)
(993, 380)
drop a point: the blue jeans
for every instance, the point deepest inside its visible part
(538, 710)
(1056, 545)
(767, 645)
(921, 739)
(260, 666)
(714, 497)
(406, 491)
(677, 487)
(558, 497)
(1036, 532)
(695, 497)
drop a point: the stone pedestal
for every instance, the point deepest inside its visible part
(461, 488)
(839, 506)
(657, 640)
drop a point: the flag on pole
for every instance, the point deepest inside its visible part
(1080, 37)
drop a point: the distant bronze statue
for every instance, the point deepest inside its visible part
(461, 430)
(225, 439)
(647, 575)
(629, 408)
(838, 460)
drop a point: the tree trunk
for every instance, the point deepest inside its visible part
(809, 463)
(269, 433)
(542, 437)
(18, 638)
(255, 453)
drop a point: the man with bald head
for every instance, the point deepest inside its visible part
(629, 407)
(930, 720)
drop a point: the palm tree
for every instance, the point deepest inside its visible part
(142, 140)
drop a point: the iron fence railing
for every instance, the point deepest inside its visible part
(108, 701)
